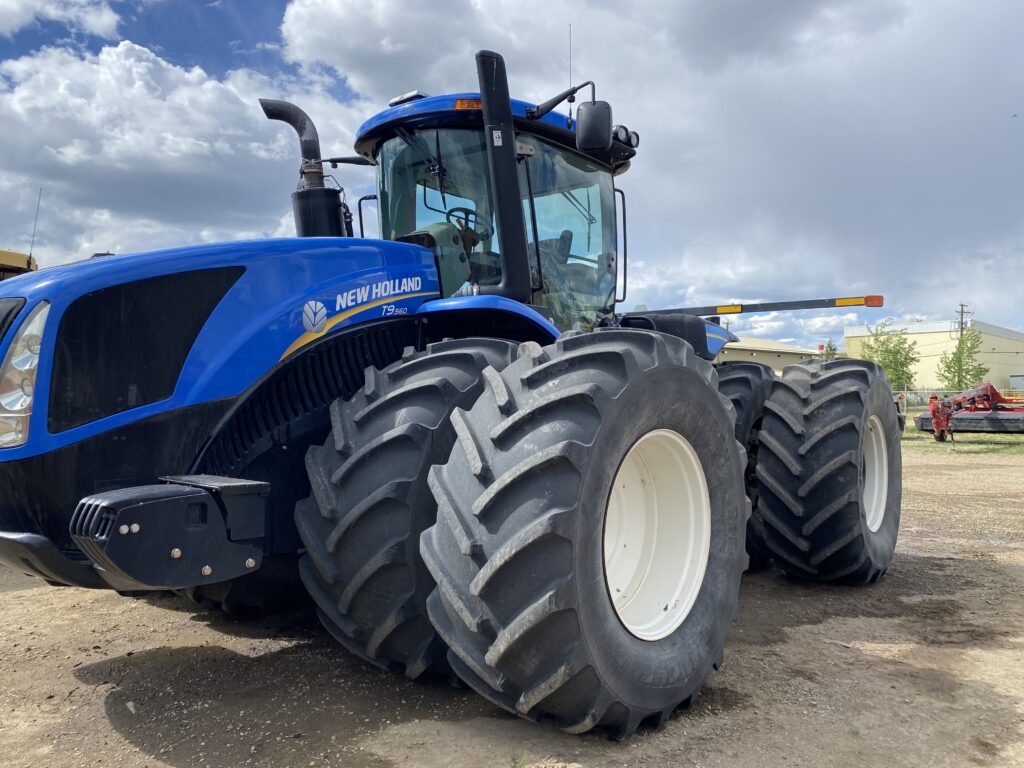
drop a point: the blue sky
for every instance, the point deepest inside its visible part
(793, 150)
(218, 36)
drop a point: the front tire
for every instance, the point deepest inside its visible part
(830, 472)
(531, 511)
(370, 502)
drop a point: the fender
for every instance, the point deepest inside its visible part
(706, 338)
(464, 316)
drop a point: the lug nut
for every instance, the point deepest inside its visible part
(175, 553)
(123, 530)
(250, 563)
(207, 570)
(135, 528)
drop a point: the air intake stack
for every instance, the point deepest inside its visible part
(317, 208)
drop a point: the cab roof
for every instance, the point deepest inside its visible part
(444, 111)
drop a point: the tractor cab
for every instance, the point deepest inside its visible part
(511, 199)
(435, 189)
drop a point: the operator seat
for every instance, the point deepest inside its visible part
(558, 248)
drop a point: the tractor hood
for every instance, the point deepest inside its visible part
(296, 256)
(127, 337)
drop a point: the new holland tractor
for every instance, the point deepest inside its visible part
(473, 462)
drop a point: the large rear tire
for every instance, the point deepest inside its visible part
(830, 472)
(589, 542)
(748, 385)
(370, 502)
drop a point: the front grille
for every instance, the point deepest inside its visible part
(92, 519)
(91, 526)
(123, 346)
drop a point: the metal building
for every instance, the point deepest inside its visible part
(1002, 350)
(773, 353)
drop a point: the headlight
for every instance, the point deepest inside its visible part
(18, 378)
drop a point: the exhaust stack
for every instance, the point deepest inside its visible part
(317, 209)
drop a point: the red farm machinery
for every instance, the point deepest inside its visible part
(981, 409)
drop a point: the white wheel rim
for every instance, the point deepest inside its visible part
(657, 534)
(876, 474)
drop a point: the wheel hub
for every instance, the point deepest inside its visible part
(657, 534)
(876, 474)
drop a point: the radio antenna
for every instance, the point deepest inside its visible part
(32, 244)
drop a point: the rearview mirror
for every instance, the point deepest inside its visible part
(594, 126)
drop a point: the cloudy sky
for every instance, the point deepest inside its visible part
(788, 150)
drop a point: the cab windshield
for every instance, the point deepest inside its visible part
(434, 190)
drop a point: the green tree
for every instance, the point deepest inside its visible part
(894, 352)
(830, 351)
(961, 369)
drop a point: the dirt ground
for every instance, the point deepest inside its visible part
(926, 668)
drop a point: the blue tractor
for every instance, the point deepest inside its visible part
(449, 437)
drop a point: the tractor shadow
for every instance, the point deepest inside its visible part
(311, 703)
(935, 601)
(297, 621)
(305, 704)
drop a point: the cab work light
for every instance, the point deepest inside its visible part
(18, 378)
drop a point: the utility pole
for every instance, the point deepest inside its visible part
(960, 324)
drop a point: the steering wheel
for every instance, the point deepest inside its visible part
(467, 221)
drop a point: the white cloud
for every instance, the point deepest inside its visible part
(94, 17)
(829, 148)
(134, 153)
(825, 148)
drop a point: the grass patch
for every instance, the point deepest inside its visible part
(967, 442)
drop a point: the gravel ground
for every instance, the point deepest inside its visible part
(925, 668)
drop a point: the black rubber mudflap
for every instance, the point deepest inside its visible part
(370, 501)
(748, 385)
(517, 550)
(812, 475)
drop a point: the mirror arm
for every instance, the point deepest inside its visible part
(535, 113)
(356, 160)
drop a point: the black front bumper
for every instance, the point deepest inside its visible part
(39, 494)
(185, 532)
(36, 555)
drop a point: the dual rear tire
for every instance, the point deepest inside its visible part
(829, 472)
(564, 526)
